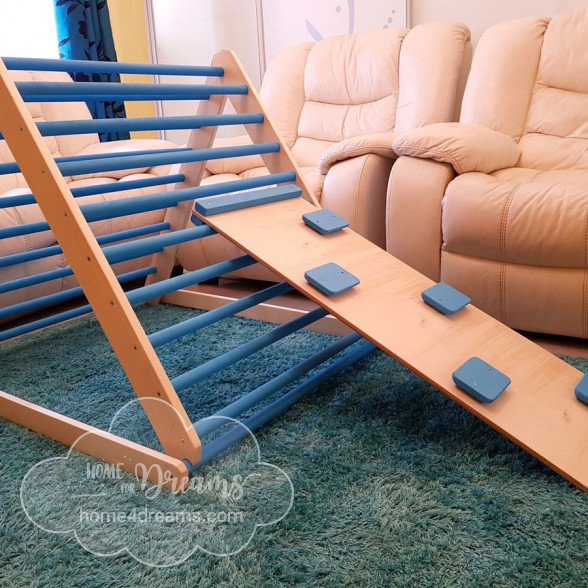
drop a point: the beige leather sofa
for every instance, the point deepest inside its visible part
(497, 205)
(337, 103)
(64, 146)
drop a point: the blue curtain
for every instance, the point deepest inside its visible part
(84, 32)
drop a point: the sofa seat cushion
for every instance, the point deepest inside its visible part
(31, 213)
(14, 216)
(519, 216)
(47, 264)
(529, 298)
(119, 148)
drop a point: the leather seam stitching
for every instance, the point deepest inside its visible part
(585, 289)
(537, 175)
(448, 178)
(502, 248)
(357, 207)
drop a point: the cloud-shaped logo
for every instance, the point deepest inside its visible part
(111, 511)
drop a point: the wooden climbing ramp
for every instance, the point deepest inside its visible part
(523, 391)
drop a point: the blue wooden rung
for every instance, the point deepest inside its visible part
(331, 279)
(231, 357)
(445, 298)
(231, 202)
(92, 91)
(581, 390)
(169, 123)
(324, 221)
(77, 65)
(239, 431)
(480, 380)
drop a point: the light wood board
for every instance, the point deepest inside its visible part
(538, 410)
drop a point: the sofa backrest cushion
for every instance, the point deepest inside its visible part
(556, 131)
(350, 85)
(528, 80)
(503, 74)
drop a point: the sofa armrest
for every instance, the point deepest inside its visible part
(356, 190)
(122, 147)
(234, 165)
(413, 213)
(467, 147)
(374, 143)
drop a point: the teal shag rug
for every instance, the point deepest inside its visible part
(376, 479)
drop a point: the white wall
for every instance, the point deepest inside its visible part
(27, 29)
(190, 32)
(286, 22)
(478, 15)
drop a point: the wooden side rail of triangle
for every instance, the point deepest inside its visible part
(118, 320)
(158, 467)
(181, 443)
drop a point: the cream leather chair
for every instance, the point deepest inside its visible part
(497, 204)
(337, 103)
(64, 146)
